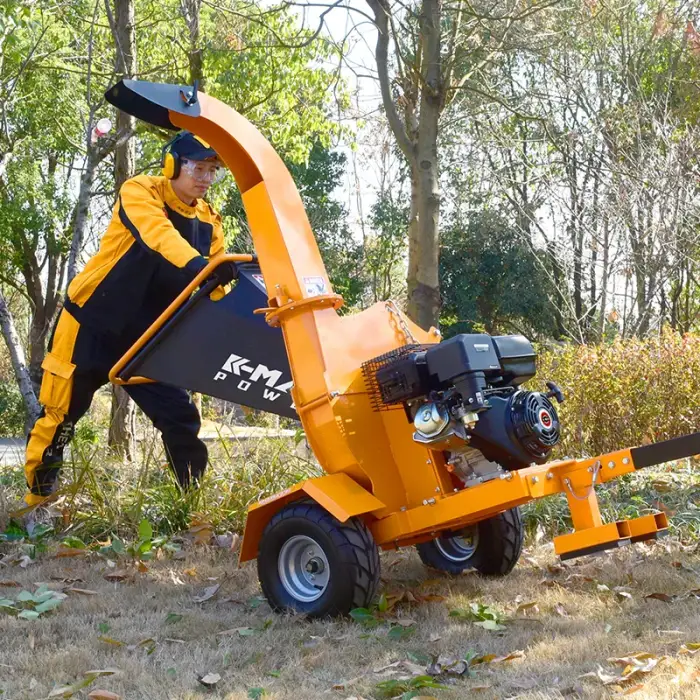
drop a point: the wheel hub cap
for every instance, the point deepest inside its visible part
(303, 568)
(459, 548)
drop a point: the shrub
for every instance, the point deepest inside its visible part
(627, 393)
(12, 411)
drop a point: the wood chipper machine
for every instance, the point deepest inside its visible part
(426, 443)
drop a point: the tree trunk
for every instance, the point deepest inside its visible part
(560, 284)
(190, 10)
(19, 364)
(423, 285)
(44, 304)
(417, 139)
(120, 429)
(82, 210)
(604, 276)
(38, 331)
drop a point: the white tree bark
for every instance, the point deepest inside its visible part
(19, 363)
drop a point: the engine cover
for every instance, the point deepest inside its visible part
(534, 423)
(518, 429)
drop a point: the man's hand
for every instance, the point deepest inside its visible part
(225, 273)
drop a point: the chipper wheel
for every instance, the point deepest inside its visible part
(312, 563)
(492, 546)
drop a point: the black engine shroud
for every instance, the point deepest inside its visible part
(475, 380)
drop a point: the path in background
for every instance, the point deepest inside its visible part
(11, 451)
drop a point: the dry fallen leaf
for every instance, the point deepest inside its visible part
(493, 659)
(190, 572)
(665, 597)
(109, 640)
(209, 680)
(382, 669)
(102, 672)
(69, 581)
(530, 607)
(9, 584)
(344, 685)
(240, 631)
(560, 610)
(435, 637)
(690, 648)
(207, 593)
(406, 622)
(451, 665)
(634, 666)
(63, 552)
(601, 675)
(118, 575)
(201, 531)
(413, 669)
(81, 591)
(99, 694)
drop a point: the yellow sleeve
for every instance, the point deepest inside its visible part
(142, 212)
(217, 237)
(217, 248)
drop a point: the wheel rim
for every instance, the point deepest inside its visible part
(303, 568)
(459, 548)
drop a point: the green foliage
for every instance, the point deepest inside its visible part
(481, 615)
(386, 248)
(316, 179)
(143, 548)
(282, 90)
(491, 280)
(12, 410)
(407, 689)
(31, 606)
(675, 488)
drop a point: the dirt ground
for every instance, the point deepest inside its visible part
(566, 621)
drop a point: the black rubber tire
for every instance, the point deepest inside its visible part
(353, 560)
(497, 551)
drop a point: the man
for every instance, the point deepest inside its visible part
(159, 238)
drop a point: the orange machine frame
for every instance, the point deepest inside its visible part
(404, 491)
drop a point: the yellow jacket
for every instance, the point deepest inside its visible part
(153, 247)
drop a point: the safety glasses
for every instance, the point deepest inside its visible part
(203, 171)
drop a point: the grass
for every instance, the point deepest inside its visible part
(149, 627)
(428, 629)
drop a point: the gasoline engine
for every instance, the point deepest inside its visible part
(463, 396)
